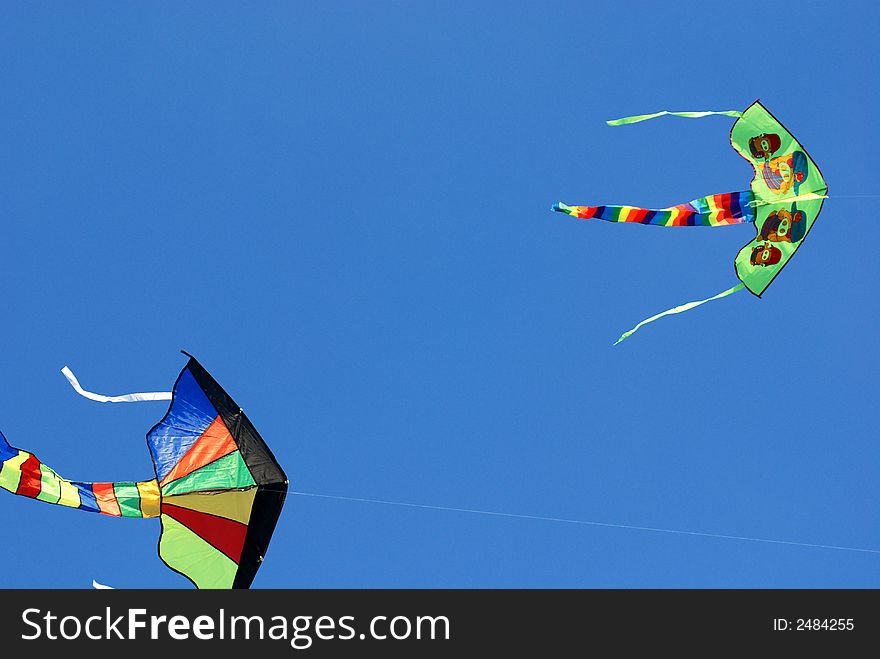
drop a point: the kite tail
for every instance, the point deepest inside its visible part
(689, 115)
(678, 309)
(22, 473)
(712, 211)
(124, 398)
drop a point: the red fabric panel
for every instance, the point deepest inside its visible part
(223, 534)
(30, 485)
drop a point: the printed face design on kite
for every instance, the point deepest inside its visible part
(764, 145)
(765, 254)
(785, 172)
(784, 226)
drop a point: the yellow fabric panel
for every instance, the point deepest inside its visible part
(150, 498)
(10, 475)
(235, 505)
(69, 494)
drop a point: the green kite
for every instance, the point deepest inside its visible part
(783, 201)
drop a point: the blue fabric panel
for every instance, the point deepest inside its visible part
(6, 451)
(87, 497)
(190, 414)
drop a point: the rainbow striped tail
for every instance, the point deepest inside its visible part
(22, 473)
(712, 211)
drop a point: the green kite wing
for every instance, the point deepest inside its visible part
(788, 191)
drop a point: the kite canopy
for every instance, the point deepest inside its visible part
(222, 489)
(788, 191)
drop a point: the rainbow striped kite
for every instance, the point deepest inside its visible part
(783, 201)
(218, 490)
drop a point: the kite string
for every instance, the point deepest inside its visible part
(631, 527)
(853, 196)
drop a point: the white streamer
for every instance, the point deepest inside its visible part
(126, 398)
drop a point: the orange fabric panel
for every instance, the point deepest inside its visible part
(106, 498)
(214, 443)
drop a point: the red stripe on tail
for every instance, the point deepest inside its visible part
(30, 485)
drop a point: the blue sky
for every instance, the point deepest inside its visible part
(343, 210)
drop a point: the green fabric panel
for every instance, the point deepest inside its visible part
(187, 553)
(50, 485)
(228, 472)
(785, 211)
(129, 499)
(689, 115)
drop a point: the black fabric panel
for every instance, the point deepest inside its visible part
(259, 459)
(264, 516)
(270, 478)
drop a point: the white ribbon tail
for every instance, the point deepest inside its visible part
(690, 115)
(100, 586)
(126, 398)
(679, 309)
